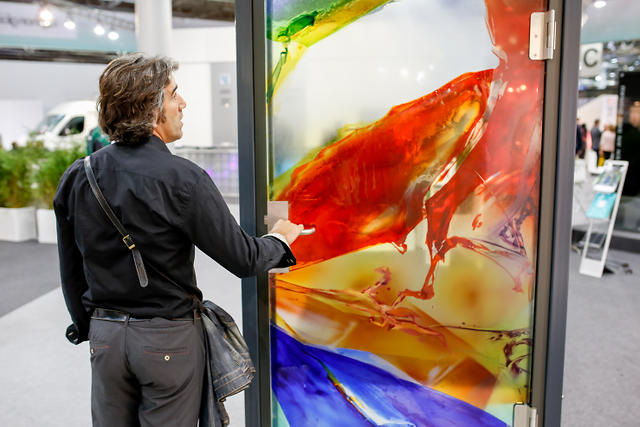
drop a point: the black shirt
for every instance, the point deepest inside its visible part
(168, 204)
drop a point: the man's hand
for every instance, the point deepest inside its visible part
(289, 230)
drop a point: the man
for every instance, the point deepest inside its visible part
(596, 133)
(146, 342)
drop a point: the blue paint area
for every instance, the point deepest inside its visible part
(374, 360)
(365, 395)
(306, 395)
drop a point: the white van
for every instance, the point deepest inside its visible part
(66, 124)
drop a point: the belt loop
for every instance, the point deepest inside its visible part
(195, 311)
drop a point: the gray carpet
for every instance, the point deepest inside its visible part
(27, 270)
(601, 373)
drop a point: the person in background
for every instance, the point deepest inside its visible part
(607, 142)
(586, 137)
(146, 334)
(580, 140)
(630, 150)
(96, 140)
(596, 133)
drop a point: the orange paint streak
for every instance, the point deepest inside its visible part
(369, 187)
(510, 144)
(476, 223)
(365, 304)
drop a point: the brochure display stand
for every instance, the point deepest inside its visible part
(602, 214)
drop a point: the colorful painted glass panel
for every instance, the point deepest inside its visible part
(408, 133)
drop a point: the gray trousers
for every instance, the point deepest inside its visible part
(146, 372)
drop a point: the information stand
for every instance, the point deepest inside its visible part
(602, 214)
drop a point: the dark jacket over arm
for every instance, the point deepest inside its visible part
(220, 237)
(74, 284)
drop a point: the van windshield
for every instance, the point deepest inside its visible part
(48, 123)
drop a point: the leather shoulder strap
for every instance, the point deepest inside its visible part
(126, 237)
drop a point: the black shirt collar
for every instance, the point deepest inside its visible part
(157, 144)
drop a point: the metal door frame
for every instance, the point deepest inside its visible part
(554, 232)
(554, 228)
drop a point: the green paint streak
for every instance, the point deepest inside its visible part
(278, 418)
(313, 25)
(297, 24)
(291, 8)
(283, 33)
(276, 73)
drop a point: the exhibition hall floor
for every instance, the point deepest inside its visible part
(46, 381)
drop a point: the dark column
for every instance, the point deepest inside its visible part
(253, 198)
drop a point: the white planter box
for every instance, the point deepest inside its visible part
(46, 226)
(17, 224)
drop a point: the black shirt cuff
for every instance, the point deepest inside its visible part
(287, 259)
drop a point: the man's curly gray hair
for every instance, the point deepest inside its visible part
(131, 93)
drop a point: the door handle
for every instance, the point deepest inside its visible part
(308, 231)
(280, 210)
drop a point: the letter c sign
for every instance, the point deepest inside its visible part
(590, 59)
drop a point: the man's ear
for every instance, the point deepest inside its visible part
(155, 119)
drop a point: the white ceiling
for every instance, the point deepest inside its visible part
(618, 20)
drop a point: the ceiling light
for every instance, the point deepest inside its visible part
(98, 30)
(614, 60)
(113, 35)
(45, 17)
(600, 4)
(69, 24)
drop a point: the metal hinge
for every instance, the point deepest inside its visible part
(542, 35)
(524, 416)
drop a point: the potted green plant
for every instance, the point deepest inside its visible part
(47, 176)
(17, 216)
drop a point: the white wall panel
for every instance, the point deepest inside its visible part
(17, 118)
(51, 82)
(215, 44)
(194, 84)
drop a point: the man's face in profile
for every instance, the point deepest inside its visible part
(169, 127)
